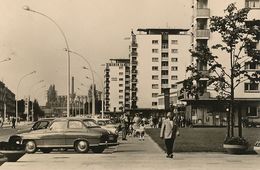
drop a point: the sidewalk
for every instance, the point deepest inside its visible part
(20, 124)
(134, 155)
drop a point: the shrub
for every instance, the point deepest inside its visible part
(236, 141)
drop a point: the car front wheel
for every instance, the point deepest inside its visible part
(30, 147)
(81, 146)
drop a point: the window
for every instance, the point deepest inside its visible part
(121, 67)
(58, 125)
(113, 79)
(252, 111)
(253, 3)
(154, 94)
(174, 50)
(121, 97)
(251, 66)
(155, 41)
(174, 59)
(154, 103)
(155, 68)
(155, 77)
(174, 86)
(165, 46)
(120, 85)
(121, 79)
(155, 59)
(251, 87)
(174, 77)
(74, 124)
(121, 91)
(174, 41)
(155, 86)
(165, 54)
(174, 68)
(155, 50)
(121, 73)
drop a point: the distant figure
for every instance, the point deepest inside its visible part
(123, 123)
(1, 121)
(13, 122)
(169, 131)
(140, 131)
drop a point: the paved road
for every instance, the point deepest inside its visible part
(134, 155)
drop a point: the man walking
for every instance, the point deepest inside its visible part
(169, 130)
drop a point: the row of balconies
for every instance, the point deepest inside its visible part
(184, 96)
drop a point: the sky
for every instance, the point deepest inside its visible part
(96, 29)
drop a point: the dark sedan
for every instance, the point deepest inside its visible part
(67, 133)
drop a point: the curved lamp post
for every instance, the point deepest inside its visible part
(7, 59)
(17, 92)
(93, 80)
(27, 8)
(31, 89)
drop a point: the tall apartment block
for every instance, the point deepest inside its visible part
(208, 110)
(158, 60)
(7, 102)
(117, 85)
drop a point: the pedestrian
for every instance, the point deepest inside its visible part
(123, 124)
(169, 130)
(13, 122)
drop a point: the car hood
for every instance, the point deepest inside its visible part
(100, 130)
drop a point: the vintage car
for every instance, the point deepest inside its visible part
(108, 125)
(66, 133)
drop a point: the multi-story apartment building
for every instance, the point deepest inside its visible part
(7, 101)
(158, 60)
(117, 85)
(208, 110)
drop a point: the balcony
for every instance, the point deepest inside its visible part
(134, 71)
(164, 50)
(133, 53)
(134, 45)
(204, 34)
(134, 63)
(184, 96)
(134, 80)
(165, 58)
(203, 13)
(165, 67)
(164, 86)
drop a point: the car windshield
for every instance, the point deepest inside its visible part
(90, 123)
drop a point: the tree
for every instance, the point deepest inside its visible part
(238, 46)
(38, 112)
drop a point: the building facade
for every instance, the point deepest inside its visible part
(158, 60)
(207, 110)
(7, 102)
(117, 85)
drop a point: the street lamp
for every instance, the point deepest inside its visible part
(93, 81)
(17, 92)
(31, 89)
(102, 96)
(27, 8)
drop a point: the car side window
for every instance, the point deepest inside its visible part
(75, 124)
(58, 125)
(43, 125)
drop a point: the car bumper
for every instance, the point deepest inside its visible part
(107, 144)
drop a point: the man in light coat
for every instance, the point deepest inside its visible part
(169, 130)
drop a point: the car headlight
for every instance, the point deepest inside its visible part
(17, 142)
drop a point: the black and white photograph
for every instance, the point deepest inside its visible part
(129, 84)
